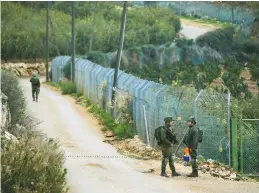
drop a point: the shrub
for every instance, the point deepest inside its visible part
(220, 40)
(68, 87)
(11, 88)
(54, 84)
(32, 165)
(254, 67)
(67, 70)
(119, 129)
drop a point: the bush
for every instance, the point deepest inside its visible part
(254, 67)
(54, 84)
(68, 87)
(220, 40)
(11, 88)
(144, 26)
(67, 70)
(32, 165)
(120, 130)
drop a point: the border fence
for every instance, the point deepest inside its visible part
(151, 102)
(249, 143)
(208, 10)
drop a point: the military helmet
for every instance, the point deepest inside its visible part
(34, 74)
(168, 119)
(192, 119)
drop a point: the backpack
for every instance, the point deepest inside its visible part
(35, 81)
(200, 135)
(158, 135)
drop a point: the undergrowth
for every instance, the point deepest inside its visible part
(52, 84)
(68, 87)
(120, 130)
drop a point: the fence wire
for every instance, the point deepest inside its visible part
(213, 120)
(208, 10)
(160, 101)
(249, 147)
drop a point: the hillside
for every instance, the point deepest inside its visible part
(246, 75)
(24, 28)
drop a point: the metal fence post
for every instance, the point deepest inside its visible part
(229, 124)
(196, 105)
(145, 118)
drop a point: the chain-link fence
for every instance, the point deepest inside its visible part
(249, 143)
(208, 10)
(213, 118)
(150, 102)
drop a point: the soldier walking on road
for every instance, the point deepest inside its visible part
(166, 138)
(35, 84)
(191, 141)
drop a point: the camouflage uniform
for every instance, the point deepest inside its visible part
(191, 141)
(35, 84)
(167, 141)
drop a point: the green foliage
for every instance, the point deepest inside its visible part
(233, 81)
(23, 28)
(52, 84)
(220, 40)
(254, 67)
(11, 88)
(68, 87)
(23, 32)
(77, 95)
(250, 108)
(32, 165)
(67, 70)
(182, 72)
(120, 130)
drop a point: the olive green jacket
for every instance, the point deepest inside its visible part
(167, 137)
(35, 82)
(191, 139)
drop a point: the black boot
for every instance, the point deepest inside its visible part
(163, 173)
(33, 99)
(174, 173)
(36, 99)
(193, 174)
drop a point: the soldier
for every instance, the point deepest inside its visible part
(191, 141)
(167, 141)
(35, 84)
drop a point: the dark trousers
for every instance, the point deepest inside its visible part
(193, 155)
(35, 91)
(167, 153)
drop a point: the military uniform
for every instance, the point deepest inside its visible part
(167, 141)
(191, 141)
(35, 84)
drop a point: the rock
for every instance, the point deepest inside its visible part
(108, 134)
(23, 69)
(5, 116)
(213, 173)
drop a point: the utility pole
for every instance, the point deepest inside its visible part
(47, 43)
(118, 60)
(92, 35)
(73, 43)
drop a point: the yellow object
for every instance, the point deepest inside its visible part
(220, 148)
(186, 151)
(179, 118)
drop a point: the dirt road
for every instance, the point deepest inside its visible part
(80, 135)
(192, 30)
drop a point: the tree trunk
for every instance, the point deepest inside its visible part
(232, 17)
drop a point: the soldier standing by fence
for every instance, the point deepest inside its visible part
(166, 139)
(191, 141)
